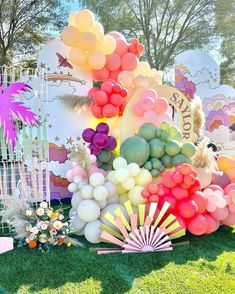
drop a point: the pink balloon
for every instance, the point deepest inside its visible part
(79, 171)
(228, 199)
(116, 35)
(230, 220)
(114, 74)
(161, 118)
(198, 225)
(231, 208)
(129, 61)
(147, 103)
(101, 74)
(215, 188)
(221, 203)
(161, 105)
(150, 117)
(211, 207)
(150, 93)
(220, 213)
(138, 110)
(230, 187)
(113, 62)
(121, 47)
(213, 224)
(70, 175)
(220, 178)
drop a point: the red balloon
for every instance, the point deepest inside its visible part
(114, 74)
(213, 224)
(96, 110)
(184, 169)
(201, 200)
(107, 87)
(134, 41)
(109, 110)
(198, 225)
(101, 98)
(132, 49)
(117, 88)
(145, 193)
(189, 179)
(152, 188)
(167, 180)
(101, 74)
(187, 208)
(129, 61)
(122, 108)
(179, 193)
(113, 62)
(181, 220)
(170, 199)
(195, 187)
(154, 198)
(92, 91)
(140, 47)
(121, 47)
(124, 92)
(116, 99)
(177, 177)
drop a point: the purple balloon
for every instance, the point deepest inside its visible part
(100, 140)
(112, 143)
(102, 128)
(88, 135)
(95, 151)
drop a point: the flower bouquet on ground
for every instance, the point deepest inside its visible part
(38, 227)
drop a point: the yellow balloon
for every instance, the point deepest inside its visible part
(87, 41)
(85, 20)
(77, 56)
(143, 178)
(73, 19)
(98, 30)
(127, 78)
(123, 198)
(107, 45)
(97, 60)
(142, 81)
(142, 68)
(135, 196)
(70, 36)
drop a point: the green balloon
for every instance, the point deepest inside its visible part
(147, 131)
(155, 173)
(156, 163)
(135, 149)
(104, 156)
(106, 166)
(179, 158)
(166, 160)
(157, 148)
(162, 168)
(148, 165)
(172, 148)
(188, 149)
(158, 133)
(165, 135)
(99, 163)
(165, 126)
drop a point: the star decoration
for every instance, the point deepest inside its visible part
(57, 139)
(78, 138)
(83, 82)
(43, 65)
(70, 141)
(63, 146)
(50, 126)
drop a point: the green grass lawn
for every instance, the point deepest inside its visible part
(207, 265)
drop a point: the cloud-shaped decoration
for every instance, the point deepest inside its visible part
(230, 111)
(215, 103)
(215, 119)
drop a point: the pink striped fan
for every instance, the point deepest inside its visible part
(141, 231)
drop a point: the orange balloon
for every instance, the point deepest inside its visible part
(77, 56)
(87, 41)
(85, 20)
(97, 60)
(70, 36)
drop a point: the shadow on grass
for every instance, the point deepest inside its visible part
(115, 272)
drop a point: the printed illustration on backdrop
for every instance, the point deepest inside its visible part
(197, 73)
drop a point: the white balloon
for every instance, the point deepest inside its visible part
(76, 223)
(92, 231)
(96, 179)
(102, 204)
(128, 184)
(111, 188)
(122, 174)
(100, 193)
(81, 184)
(77, 179)
(88, 210)
(119, 162)
(134, 169)
(112, 178)
(113, 199)
(76, 199)
(87, 192)
(72, 212)
(73, 188)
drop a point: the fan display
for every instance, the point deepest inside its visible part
(148, 230)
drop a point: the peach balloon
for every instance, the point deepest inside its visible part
(121, 47)
(138, 110)
(229, 220)
(85, 20)
(70, 36)
(127, 78)
(141, 81)
(73, 19)
(101, 74)
(87, 41)
(97, 60)
(77, 56)
(116, 35)
(107, 45)
(213, 224)
(220, 213)
(113, 62)
(129, 61)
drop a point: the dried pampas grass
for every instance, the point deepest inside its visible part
(198, 116)
(75, 102)
(204, 157)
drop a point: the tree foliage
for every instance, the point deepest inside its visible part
(24, 24)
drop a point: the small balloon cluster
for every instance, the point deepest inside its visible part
(91, 197)
(125, 57)
(109, 100)
(89, 46)
(152, 109)
(101, 145)
(154, 149)
(130, 180)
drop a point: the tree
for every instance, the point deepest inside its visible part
(24, 24)
(165, 27)
(225, 24)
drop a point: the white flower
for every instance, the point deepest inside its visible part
(34, 230)
(49, 212)
(31, 237)
(29, 212)
(43, 204)
(60, 217)
(40, 211)
(28, 228)
(58, 225)
(44, 226)
(43, 238)
(53, 232)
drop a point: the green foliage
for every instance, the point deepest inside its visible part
(24, 25)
